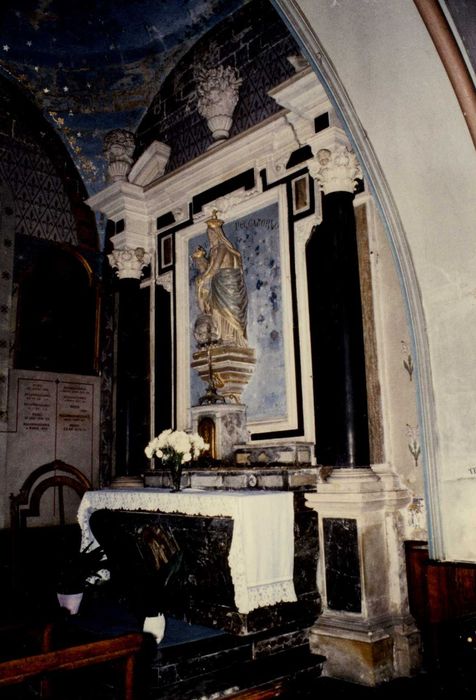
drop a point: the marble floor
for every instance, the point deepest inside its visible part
(455, 680)
(428, 686)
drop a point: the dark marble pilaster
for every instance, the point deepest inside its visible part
(340, 396)
(132, 361)
(132, 389)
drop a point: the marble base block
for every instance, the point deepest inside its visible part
(297, 479)
(366, 654)
(366, 630)
(229, 421)
(296, 453)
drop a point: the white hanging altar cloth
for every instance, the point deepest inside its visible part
(261, 555)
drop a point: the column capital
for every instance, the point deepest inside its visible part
(129, 262)
(336, 169)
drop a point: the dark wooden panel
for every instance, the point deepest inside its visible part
(438, 591)
(442, 598)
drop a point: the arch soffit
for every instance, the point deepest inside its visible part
(337, 94)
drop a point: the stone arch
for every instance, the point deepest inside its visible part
(374, 175)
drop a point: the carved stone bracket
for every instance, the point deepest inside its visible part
(129, 262)
(151, 165)
(165, 281)
(336, 170)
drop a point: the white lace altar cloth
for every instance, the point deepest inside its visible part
(261, 554)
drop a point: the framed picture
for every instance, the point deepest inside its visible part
(301, 194)
(166, 252)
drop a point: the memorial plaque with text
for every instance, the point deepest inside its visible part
(51, 416)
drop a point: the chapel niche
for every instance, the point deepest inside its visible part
(57, 315)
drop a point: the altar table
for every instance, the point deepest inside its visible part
(261, 555)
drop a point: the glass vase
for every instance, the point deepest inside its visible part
(175, 471)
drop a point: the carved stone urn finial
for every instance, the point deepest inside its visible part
(217, 91)
(118, 149)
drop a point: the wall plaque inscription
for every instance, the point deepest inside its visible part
(51, 416)
(76, 408)
(37, 399)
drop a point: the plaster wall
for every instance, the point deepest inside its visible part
(407, 116)
(401, 430)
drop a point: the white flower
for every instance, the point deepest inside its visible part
(198, 444)
(172, 444)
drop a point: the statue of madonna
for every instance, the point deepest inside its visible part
(220, 286)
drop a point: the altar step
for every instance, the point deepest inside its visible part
(226, 666)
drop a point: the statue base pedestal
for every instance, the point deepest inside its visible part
(231, 368)
(222, 425)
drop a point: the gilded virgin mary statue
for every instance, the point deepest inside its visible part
(220, 286)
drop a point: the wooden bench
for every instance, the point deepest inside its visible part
(43, 664)
(271, 690)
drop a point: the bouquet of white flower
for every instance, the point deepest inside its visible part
(174, 448)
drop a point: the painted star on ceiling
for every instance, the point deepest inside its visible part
(95, 65)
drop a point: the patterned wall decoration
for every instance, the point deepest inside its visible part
(7, 237)
(42, 208)
(253, 40)
(48, 192)
(413, 435)
(95, 66)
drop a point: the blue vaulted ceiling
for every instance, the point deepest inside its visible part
(95, 65)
